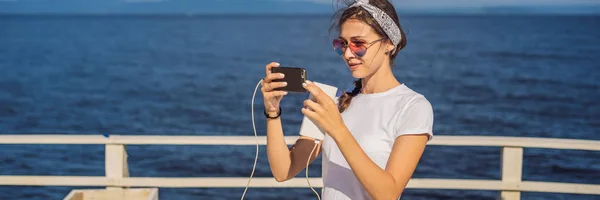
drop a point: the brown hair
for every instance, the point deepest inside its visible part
(360, 14)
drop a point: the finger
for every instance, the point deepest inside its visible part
(266, 94)
(318, 94)
(272, 94)
(266, 88)
(308, 113)
(314, 106)
(275, 85)
(279, 93)
(273, 76)
(269, 66)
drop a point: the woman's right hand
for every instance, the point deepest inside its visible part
(272, 97)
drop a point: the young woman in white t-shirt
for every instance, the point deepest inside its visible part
(377, 133)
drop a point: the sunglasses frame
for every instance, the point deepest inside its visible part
(345, 46)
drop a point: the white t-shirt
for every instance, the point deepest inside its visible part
(375, 120)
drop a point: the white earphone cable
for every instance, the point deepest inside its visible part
(308, 162)
(256, 138)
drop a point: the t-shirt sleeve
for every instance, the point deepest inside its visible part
(417, 118)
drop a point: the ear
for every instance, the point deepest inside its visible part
(389, 47)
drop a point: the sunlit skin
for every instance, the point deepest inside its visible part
(374, 68)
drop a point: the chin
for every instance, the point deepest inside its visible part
(358, 74)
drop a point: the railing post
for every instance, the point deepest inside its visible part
(116, 162)
(512, 170)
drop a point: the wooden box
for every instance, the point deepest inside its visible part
(114, 194)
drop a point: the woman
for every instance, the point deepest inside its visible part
(377, 133)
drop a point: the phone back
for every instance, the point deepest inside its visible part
(294, 76)
(308, 127)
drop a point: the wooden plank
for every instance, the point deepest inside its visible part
(130, 194)
(554, 187)
(115, 162)
(195, 140)
(498, 141)
(510, 195)
(55, 180)
(137, 139)
(74, 195)
(262, 182)
(301, 183)
(455, 184)
(528, 142)
(512, 170)
(217, 182)
(53, 139)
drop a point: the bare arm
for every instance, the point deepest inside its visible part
(285, 163)
(380, 183)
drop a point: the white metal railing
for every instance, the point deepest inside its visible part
(117, 174)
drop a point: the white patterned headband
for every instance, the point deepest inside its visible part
(385, 21)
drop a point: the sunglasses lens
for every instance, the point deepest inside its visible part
(358, 49)
(338, 46)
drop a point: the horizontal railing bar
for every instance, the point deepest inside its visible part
(262, 182)
(573, 188)
(53, 139)
(137, 139)
(528, 142)
(217, 182)
(54, 181)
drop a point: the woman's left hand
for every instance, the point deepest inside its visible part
(324, 112)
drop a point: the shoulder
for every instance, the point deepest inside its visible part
(414, 115)
(408, 99)
(419, 102)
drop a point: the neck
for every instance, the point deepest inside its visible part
(380, 81)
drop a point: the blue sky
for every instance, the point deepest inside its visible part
(290, 6)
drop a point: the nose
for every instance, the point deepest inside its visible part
(348, 53)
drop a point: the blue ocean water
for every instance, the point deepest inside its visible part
(530, 76)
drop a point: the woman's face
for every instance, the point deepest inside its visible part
(360, 36)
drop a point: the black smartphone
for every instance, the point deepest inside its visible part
(294, 76)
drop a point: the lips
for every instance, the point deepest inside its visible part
(354, 65)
